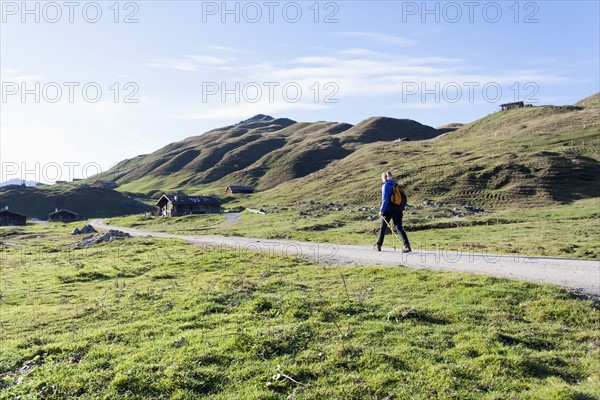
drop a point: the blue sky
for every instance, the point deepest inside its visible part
(183, 68)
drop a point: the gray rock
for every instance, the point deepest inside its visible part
(109, 236)
(88, 229)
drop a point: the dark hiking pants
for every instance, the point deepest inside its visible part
(397, 218)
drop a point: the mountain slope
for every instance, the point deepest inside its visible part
(387, 129)
(524, 157)
(261, 151)
(590, 101)
(88, 202)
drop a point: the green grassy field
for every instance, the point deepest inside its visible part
(184, 225)
(155, 318)
(570, 231)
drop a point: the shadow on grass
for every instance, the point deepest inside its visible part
(83, 276)
(404, 313)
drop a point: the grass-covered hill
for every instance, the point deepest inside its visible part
(529, 156)
(87, 201)
(261, 151)
(590, 101)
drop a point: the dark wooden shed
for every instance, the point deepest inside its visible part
(235, 189)
(8, 218)
(63, 216)
(172, 205)
(511, 106)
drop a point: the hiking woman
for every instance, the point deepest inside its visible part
(390, 211)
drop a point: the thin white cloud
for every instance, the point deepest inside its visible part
(377, 37)
(357, 51)
(173, 64)
(543, 61)
(429, 31)
(356, 74)
(222, 48)
(189, 63)
(208, 60)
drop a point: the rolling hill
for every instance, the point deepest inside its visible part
(532, 156)
(87, 201)
(525, 157)
(260, 151)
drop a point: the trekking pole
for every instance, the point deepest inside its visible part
(393, 234)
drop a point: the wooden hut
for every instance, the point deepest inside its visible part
(172, 205)
(235, 189)
(511, 106)
(8, 218)
(63, 216)
(106, 184)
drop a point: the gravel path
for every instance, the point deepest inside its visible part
(577, 275)
(231, 218)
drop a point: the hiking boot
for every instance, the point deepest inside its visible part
(406, 250)
(377, 247)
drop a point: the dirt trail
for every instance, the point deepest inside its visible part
(581, 276)
(230, 218)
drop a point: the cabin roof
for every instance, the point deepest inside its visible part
(512, 104)
(63, 211)
(5, 211)
(180, 199)
(240, 187)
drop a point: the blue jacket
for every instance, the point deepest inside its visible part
(386, 194)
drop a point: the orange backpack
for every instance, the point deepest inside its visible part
(398, 197)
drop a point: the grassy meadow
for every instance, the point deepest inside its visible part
(183, 225)
(148, 318)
